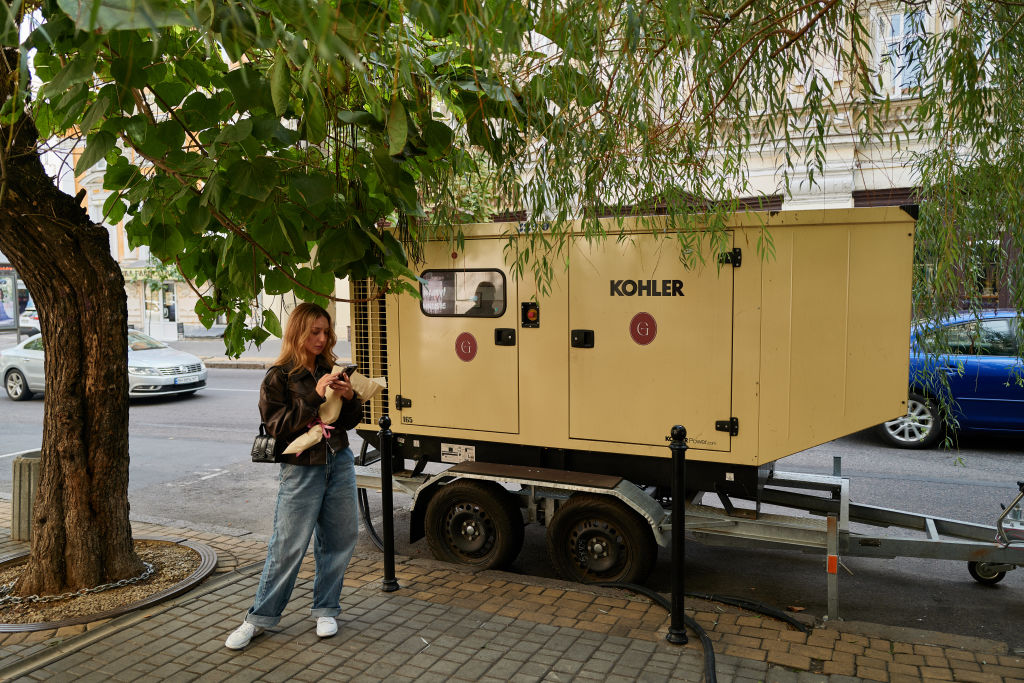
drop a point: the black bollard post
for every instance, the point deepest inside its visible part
(390, 583)
(677, 629)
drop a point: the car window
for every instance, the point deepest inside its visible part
(990, 337)
(34, 345)
(140, 342)
(996, 338)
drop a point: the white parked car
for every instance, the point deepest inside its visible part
(154, 369)
(28, 321)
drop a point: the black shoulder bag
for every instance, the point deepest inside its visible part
(263, 446)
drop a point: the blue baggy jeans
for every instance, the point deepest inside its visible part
(320, 498)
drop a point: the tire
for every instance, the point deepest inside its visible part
(475, 523)
(17, 386)
(596, 539)
(921, 427)
(984, 574)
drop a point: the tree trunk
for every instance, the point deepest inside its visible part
(81, 536)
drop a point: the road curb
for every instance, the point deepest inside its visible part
(238, 363)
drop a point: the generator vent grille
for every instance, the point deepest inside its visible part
(369, 344)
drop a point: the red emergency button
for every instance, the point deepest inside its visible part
(531, 314)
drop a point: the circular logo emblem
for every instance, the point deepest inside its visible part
(465, 347)
(643, 329)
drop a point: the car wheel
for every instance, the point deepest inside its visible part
(919, 428)
(17, 386)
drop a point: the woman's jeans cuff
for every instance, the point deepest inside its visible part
(324, 612)
(262, 621)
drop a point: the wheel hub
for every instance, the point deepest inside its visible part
(468, 530)
(595, 546)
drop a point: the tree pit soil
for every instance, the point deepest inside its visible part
(172, 564)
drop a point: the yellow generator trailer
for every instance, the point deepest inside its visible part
(569, 394)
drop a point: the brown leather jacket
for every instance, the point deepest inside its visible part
(289, 403)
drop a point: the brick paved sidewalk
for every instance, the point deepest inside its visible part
(447, 623)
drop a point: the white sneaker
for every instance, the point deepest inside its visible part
(241, 636)
(326, 626)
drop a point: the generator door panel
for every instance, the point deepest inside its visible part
(459, 346)
(649, 344)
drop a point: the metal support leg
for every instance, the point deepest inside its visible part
(832, 566)
(677, 629)
(390, 583)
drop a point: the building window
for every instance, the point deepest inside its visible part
(900, 35)
(470, 293)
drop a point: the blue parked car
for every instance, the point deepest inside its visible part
(978, 356)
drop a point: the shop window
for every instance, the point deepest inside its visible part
(470, 293)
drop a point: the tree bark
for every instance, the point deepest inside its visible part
(81, 536)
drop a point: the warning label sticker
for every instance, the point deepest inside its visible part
(457, 452)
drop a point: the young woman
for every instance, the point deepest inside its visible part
(317, 490)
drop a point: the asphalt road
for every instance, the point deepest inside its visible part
(190, 463)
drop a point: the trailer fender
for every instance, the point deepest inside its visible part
(420, 501)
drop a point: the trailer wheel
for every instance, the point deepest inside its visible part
(475, 523)
(595, 538)
(984, 574)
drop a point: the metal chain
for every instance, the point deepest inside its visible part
(6, 599)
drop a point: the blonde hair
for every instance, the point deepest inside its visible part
(293, 344)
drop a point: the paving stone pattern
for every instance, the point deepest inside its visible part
(446, 623)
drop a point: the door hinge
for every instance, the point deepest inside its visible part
(735, 257)
(402, 402)
(732, 425)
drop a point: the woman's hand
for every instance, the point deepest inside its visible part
(345, 388)
(338, 382)
(328, 381)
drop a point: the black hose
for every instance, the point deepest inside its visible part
(364, 509)
(753, 606)
(364, 503)
(705, 641)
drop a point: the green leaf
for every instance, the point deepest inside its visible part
(315, 120)
(280, 83)
(235, 133)
(398, 127)
(113, 209)
(171, 93)
(271, 323)
(275, 282)
(196, 216)
(96, 147)
(206, 316)
(312, 189)
(108, 15)
(165, 241)
(169, 132)
(260, 335)
(359, 117)
(250, 89)
(9, 26)
(338, 248)
(438, 137)
(254, 179)
(77, 71)
(97, 109)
